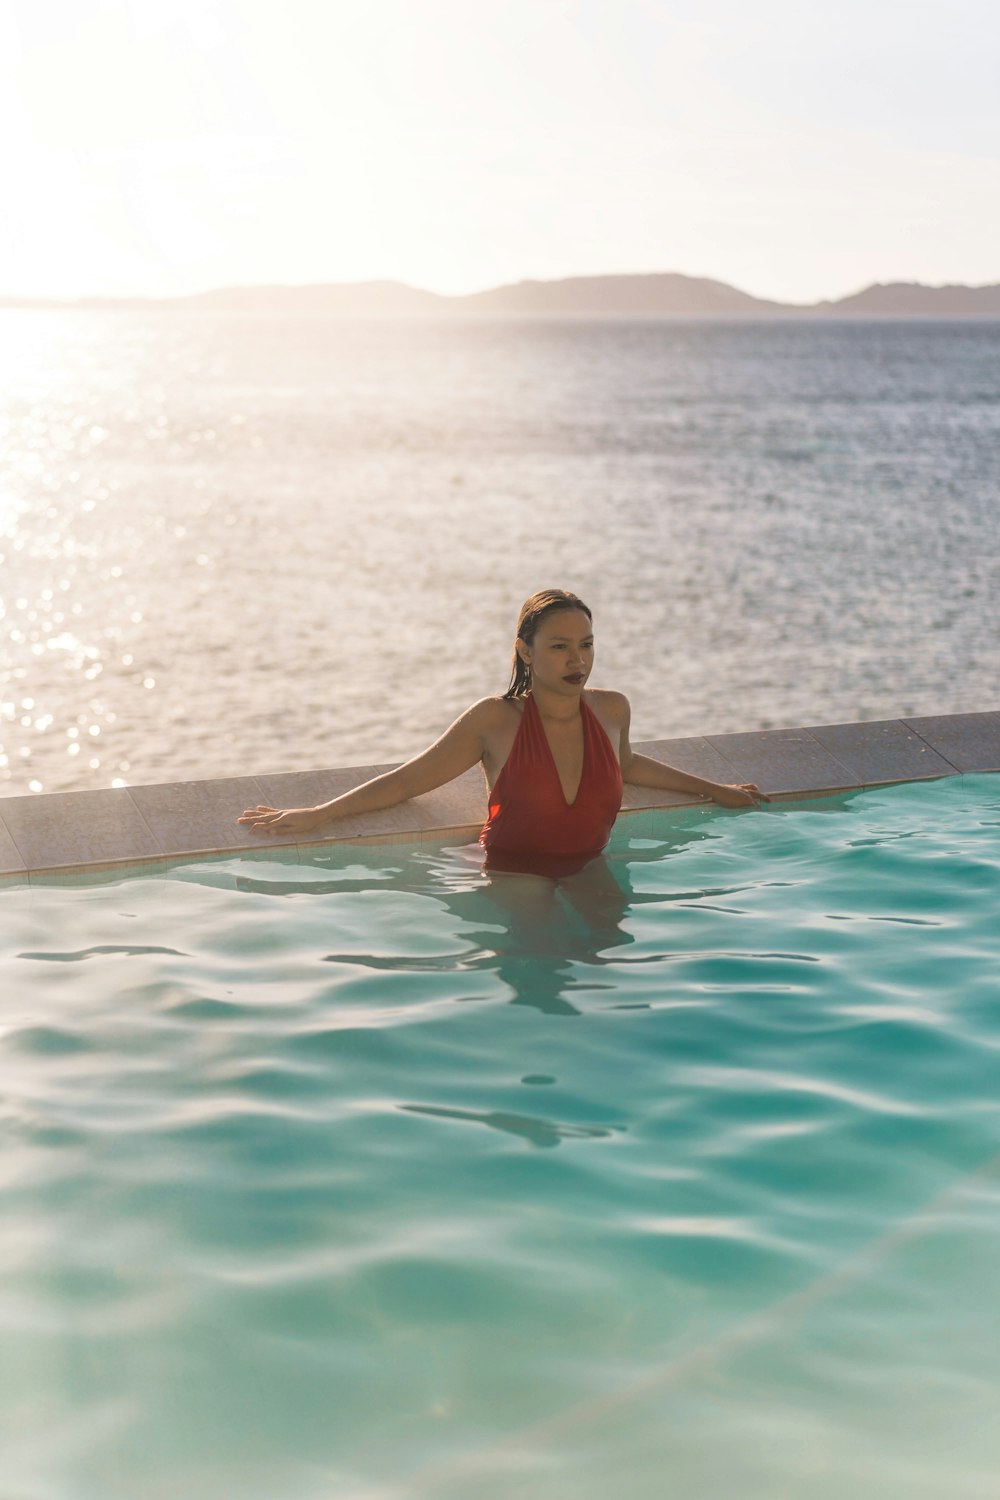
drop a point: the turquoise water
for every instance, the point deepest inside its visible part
(367, 1178)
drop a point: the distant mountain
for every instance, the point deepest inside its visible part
(908, 299)
(663, 294)
(666, 294)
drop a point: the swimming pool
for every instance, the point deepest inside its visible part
(364, 1177)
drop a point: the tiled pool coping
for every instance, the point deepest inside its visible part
(67, 831)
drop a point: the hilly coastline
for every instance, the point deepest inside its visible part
(666, 294)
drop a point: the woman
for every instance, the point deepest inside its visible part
(555, 753)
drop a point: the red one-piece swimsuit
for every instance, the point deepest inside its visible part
(528, 813)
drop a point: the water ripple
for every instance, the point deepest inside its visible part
(293, 1175)
(754, 1080)
(129, 950)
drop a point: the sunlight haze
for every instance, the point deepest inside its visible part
(797, 151)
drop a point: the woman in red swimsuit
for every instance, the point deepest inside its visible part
(555, 752)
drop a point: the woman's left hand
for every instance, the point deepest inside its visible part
(746, 794)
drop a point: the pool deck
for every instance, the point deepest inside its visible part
(65, 832)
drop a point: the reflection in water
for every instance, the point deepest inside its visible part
(556, 932)
(530, 1127)
(557, 928)
(550, 934)
(546, 931)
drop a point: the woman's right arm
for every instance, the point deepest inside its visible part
(459, 748)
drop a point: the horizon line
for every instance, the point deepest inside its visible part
(386, 281)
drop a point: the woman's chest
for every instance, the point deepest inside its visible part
(550, 749)
(567, 752)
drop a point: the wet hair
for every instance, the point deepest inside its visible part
(533, 612)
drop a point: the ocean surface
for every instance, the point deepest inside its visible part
(244, 542)
(364, 1178)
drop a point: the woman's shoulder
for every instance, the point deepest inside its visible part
(496, 703)
(610, 704)
(494, 711)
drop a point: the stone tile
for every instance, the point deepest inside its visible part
(309, 788)
(458, 804)
(637, 799)
(694, 755)
(60, 830)
(79, 830)
(881, 752)
(971, 742)
(11, 862)
(784, 762)
(198, 817)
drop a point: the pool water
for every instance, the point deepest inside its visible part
(369, 1177)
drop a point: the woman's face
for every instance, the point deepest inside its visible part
(561, 655)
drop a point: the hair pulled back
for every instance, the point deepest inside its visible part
(533, 612)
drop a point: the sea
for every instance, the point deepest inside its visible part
(252, 542)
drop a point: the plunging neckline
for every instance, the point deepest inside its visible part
(529, 811)
(552, 759)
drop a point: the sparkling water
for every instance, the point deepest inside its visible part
(247, 542)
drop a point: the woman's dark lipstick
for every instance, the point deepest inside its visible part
(574, 678)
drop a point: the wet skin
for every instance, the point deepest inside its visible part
(561, 658)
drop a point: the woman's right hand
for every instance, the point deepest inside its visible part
(278, 820)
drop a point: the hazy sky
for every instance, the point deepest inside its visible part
(795, 149)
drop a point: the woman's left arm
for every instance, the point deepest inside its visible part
(643, 770)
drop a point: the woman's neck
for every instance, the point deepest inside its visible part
(556, 707)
